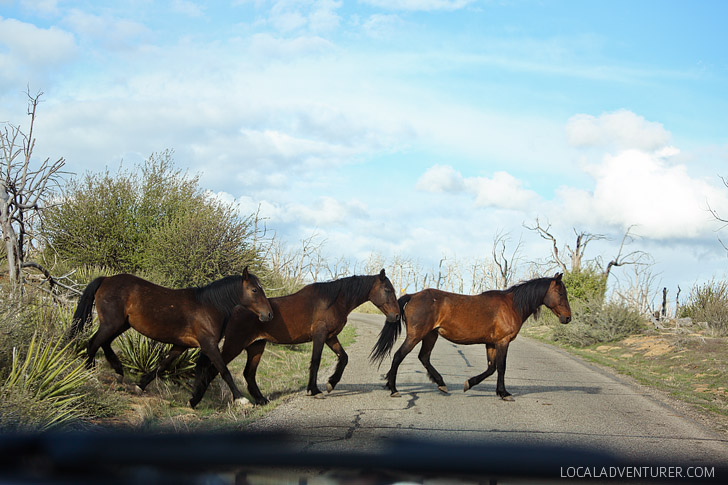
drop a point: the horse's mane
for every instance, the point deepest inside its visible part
(528, 296)
(223, 294)
(352, 289)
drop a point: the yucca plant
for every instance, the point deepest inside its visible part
(45, 387)
(140, 355)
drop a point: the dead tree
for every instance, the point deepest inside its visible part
(23, 191)
(504, 265)
(576, 254)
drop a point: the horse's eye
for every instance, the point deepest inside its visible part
(255, 290)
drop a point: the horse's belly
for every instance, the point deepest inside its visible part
(458, 336)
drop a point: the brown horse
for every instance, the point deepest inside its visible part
(493, 318)
(191, 317)
(316, 312)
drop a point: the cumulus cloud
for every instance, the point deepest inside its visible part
(637, 180)
(620, 130)
(34, 44)
(502, 190)
(441, 178)
(640, 188)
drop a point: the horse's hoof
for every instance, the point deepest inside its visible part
(508, 398)
(467, 386)
(242, 403)
(395, 394)
(443, 389)
(190, 404)
(138, 390)
(329, 387)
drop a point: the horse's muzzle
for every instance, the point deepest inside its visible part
(266, 317)
(392, 317)
(564, 319)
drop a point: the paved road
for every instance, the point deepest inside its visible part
(560, 400)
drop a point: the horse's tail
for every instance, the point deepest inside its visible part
(389, 334)
(82, 315)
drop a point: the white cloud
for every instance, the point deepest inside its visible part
(322, 212)
(619, 130)
(502, 190)
(420, 5)
(381, 26)
(639, 188)
(113, 33)
(34, 46)
(441, 178)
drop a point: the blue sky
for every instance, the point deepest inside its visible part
(410, 128)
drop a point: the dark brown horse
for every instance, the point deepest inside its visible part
(315, 313)
(493, 318)
(191, 317)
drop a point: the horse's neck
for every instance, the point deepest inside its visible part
(354, 302)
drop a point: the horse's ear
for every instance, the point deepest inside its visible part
(558, 276)
(246, 275)
(382, 275)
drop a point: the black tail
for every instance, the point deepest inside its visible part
(389, 334)
(82, 315)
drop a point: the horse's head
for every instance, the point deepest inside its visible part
(384, 297)
(253, 297)
(556, 299)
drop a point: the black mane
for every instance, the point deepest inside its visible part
(352, 289)
(222, 294)
(528, 296)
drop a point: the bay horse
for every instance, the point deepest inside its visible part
(493, 318)
(185, 318)
(317, 312)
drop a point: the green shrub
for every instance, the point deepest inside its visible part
(154, 220)
(709, 303)
(140, 355)
(585, 285)
(596, 322)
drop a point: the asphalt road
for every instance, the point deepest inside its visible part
(559, 400)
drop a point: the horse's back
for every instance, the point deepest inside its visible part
(464, 319)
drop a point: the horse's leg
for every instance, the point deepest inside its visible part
(492, 354)
(209, 348)
(500, 362)
(428, 343)
(151, 375)
(343, 359)
(205, 371)
(255, 352)
(319, 337)
(108, 330)
(399, 355)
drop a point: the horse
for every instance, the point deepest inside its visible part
(317, 312)
(493, 318)
(185, 318)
